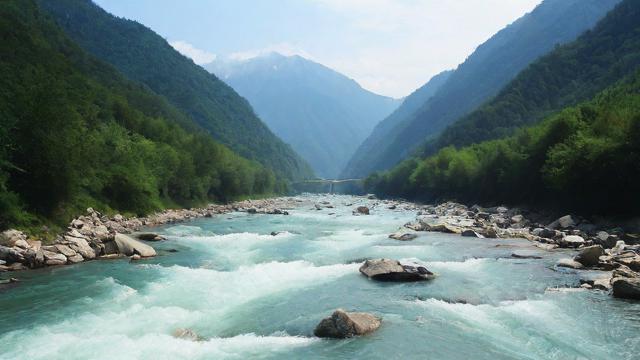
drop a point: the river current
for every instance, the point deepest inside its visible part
(249, 295)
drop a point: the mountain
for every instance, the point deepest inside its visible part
(572, 121)
(568, 75)
(75, 133)
(365, 154)
(323, 114)
(146, 57)
(485, 72)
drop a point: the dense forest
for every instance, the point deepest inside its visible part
(570, 74)
(481, 76)
(144, 56)
(76, 133)
(584, 158)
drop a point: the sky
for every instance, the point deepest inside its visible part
(390, 47)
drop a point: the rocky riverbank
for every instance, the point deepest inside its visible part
(96, 236)
(612, 250)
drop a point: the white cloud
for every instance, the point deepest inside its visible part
(198, 56)
(284, 48)
(409, 41)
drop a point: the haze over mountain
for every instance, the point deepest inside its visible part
(321, 113)
(146, 57)
(480, 77)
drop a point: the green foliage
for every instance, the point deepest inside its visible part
(568, 75)
(585, 158)
(75, 133)
(144, 56)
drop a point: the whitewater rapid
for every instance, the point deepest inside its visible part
(249, 294)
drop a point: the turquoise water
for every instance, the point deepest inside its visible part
(253, 295)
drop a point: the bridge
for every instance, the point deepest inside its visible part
(356, 184)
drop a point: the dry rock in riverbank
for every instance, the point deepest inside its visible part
(626, 288)
(342, 324)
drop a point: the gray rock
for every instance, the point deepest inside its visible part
(572, 241)
(403, 236)
(65, 250)
(81, 246)
(186, 334)
(569, 263)
(77, 258)
(342, 324)
(471, 233)
(149, 237)
(128, 246)
(10, 255)
(564, 222)
(393, 270)
(9, 237)
(483, 216)
(590, 255)
(52, 258)
(626, 288)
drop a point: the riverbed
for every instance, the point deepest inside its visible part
(249, 294)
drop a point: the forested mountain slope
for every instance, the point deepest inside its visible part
(584, 159)
(76, 133)
(568, 75)
(486, 71)
(321, 113)
(144, 56)
(365, 154)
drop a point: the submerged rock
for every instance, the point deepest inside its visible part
(149, 237)
(569, 263)
(342, 324)
(393, 270)
(186, 334)
(471, 233)
(403, 236)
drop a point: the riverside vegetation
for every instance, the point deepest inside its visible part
(75, 133)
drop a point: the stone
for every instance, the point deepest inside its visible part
(626, 288)
(23, 244)
(371, 196)
(403, 236)
(9, 237)
(624, 271)
(522, 255)
(128, 246)
(564, 222)
(52, 258)
(77, 258)
(362, 210)
(516, 219)
(149, 237)
(569, 263)
(631, 260)
(342, 324)
(483, 216)
(572, 241)
(471, 233)
(34, 244)
(393, 270)
(118, 218)
(590, 255)
(135, 257)
(81, 246)
(65, 250)
(77, 223)
(618, 248)
(17, 267)
(602, 284)
(186, 334)
(10, 255)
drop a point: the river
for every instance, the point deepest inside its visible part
(249, 294)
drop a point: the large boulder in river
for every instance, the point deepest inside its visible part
(626, 288)
(128, 246)
(342, 324)
(590, 255)
(362, 210)
(393, 270)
